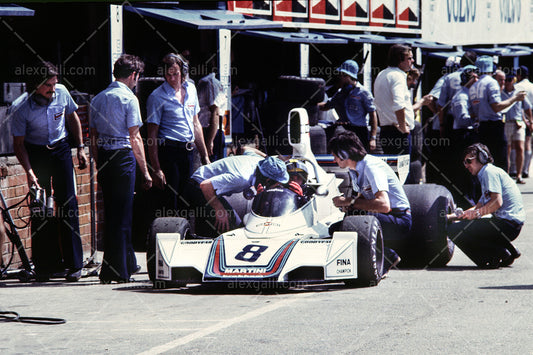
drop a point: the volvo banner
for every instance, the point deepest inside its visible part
(467, 22)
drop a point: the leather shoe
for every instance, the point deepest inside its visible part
(106, 281)
(73, 276)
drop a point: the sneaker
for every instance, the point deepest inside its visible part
(525, 175)
(520, 181)
(73, 276)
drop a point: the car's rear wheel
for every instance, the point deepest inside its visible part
(429, 244)
(163, 225)
(369, 249)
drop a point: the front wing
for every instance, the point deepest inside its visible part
(229, 259)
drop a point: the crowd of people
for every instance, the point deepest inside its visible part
(183, 118)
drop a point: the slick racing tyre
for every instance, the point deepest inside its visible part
(369, 249)
(429, 244)
(163, 225)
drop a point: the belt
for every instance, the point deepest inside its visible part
(177, 144)
(400, 211)
(50, 146)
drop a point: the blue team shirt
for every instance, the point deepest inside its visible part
(353, 103)
(113, 112)
(175, 120)
(230, 175)
(516, 110)
(460, 109)
(42, 125)
(483, 93)
(371, 175)
(495, 180)
(450, 87)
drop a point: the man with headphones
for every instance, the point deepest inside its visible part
(487, 241)
(355, 105)
(379, 192)
(40, 137)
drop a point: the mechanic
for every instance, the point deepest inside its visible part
(117, 148)
(355, 105)
(379, 192)
(227, 176)
(40, 118)
(487, 241)
(487, 104)
(173, 127)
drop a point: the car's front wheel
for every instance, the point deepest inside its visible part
(369, 249)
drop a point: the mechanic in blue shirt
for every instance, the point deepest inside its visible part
(227, 176)
(515, 125)
(173, 127)
(379, 192)
(487, 241)
(354, 105)
(41, 146)
(486, 100)
(117, 148)
(450, 87)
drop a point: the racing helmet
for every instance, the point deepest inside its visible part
(297, 167)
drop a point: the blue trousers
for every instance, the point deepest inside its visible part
(492, 134)
(116, 177)
(56, 246)
(393, 141)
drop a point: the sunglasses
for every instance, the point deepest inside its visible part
(468, 161)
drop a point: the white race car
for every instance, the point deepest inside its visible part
(286, 238)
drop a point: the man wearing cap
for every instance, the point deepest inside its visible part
(463, 134)
(515, 125)
(523, 84)
(393, 101)
(227, 176)
(354, 104)
(487, 104)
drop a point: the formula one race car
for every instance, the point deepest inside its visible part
(286, 238)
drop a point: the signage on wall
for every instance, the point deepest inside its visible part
(464, 22)
(366, 15)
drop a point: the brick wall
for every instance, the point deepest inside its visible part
(14, 187)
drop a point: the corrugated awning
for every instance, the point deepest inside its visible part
(15, 10)
(204, 19)
(296, 37)
(360, 38)
(445, 55)
(508, 51)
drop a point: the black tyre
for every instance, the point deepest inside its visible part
(428, 243)
(163, 225)
(369, 249)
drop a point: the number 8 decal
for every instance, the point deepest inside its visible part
(251, 252)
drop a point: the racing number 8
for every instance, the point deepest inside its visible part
(251, 252)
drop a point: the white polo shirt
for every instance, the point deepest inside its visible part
(392, 94)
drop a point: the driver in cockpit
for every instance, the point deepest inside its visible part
(297, 177)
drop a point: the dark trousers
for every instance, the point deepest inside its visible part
(393, 141)
(116, 177)
(177, 165)
(492, 134)
(394, 226)
(204, 215)
(465, 187)
(484, 239)
(56, 246)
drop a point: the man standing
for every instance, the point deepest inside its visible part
(116, 144)
(523, 84)
(355, 105)
(213, 103)
(393, 101)
(486, 100)
(42, 148)
(515, 126)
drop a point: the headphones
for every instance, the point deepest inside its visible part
(343, 154)
(482, 154)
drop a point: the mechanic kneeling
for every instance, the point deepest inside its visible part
(379, 192)
(487, 241)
